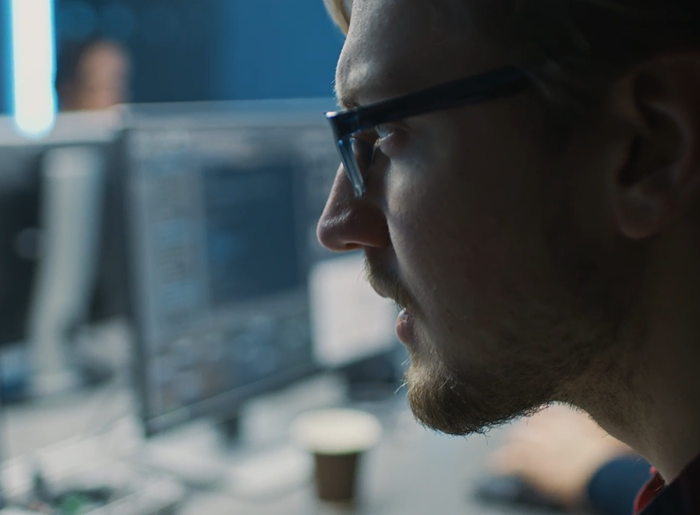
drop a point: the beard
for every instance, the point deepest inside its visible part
(525, 376)
(441, 400)
(462, 403)
(562, 347)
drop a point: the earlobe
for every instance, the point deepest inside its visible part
(645, 206)
(660, 179)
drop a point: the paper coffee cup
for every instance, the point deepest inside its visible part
(338, 439)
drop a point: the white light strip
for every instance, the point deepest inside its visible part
(33, 63)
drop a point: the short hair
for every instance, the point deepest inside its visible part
(574, 48)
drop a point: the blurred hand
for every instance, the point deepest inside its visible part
(557, 451)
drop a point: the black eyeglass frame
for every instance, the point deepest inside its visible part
(501, 82)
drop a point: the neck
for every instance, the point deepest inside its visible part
(670, 422)
(656, 407)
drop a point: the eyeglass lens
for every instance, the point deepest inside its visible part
(357, 158)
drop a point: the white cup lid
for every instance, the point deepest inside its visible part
(337, 431)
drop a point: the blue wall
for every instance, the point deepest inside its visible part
(185, 50)
(276, 49)
(174, 49)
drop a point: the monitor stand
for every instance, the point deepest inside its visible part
(231, 430)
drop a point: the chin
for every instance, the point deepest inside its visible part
(468, 378)
(472, 402)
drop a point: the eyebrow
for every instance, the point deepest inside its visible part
(348, 90)
(346, 98)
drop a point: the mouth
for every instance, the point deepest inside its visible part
(389, 287)
(392, 293)
(405, 322)
(406, 327)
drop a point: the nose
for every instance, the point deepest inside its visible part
(349, 223)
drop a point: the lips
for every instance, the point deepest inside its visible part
(389, 288)
(386, 285)
(405, 327)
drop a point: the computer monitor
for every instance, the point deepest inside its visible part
(20, 168)
(52, 190)
(218, 255)
(230, 292)
(351, 323)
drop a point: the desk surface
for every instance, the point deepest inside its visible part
(419, 473)
(413, 471)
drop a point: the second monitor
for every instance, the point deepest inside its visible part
(230, 293)
(218, 261)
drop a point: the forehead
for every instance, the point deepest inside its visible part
(398, 46)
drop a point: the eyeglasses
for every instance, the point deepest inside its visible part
(356, 155)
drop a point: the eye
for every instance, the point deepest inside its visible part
(383, 131)
(364, 152)
(389, 139)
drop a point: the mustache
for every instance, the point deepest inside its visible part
(389, 285)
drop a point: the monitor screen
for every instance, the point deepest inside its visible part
(23, 189)
(51, 194)
(350, 322)
(250, 230)
(231, 294)
(218, 263)
(20, 169)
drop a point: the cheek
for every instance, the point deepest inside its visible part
(468, 239)
(452, 260)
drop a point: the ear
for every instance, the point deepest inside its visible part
(660, 180)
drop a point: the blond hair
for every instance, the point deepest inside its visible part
(340, 12)
(580, 45)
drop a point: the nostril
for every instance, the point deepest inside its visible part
(332, 232)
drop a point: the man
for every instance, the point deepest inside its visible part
(536, 214)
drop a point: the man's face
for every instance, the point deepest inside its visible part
(103, 78)
(495, 239)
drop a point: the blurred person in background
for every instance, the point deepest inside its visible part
(92, 75)
(524, 179)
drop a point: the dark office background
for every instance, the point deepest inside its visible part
(190, 50)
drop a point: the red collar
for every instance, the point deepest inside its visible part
(682, 496)
(653, 487)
